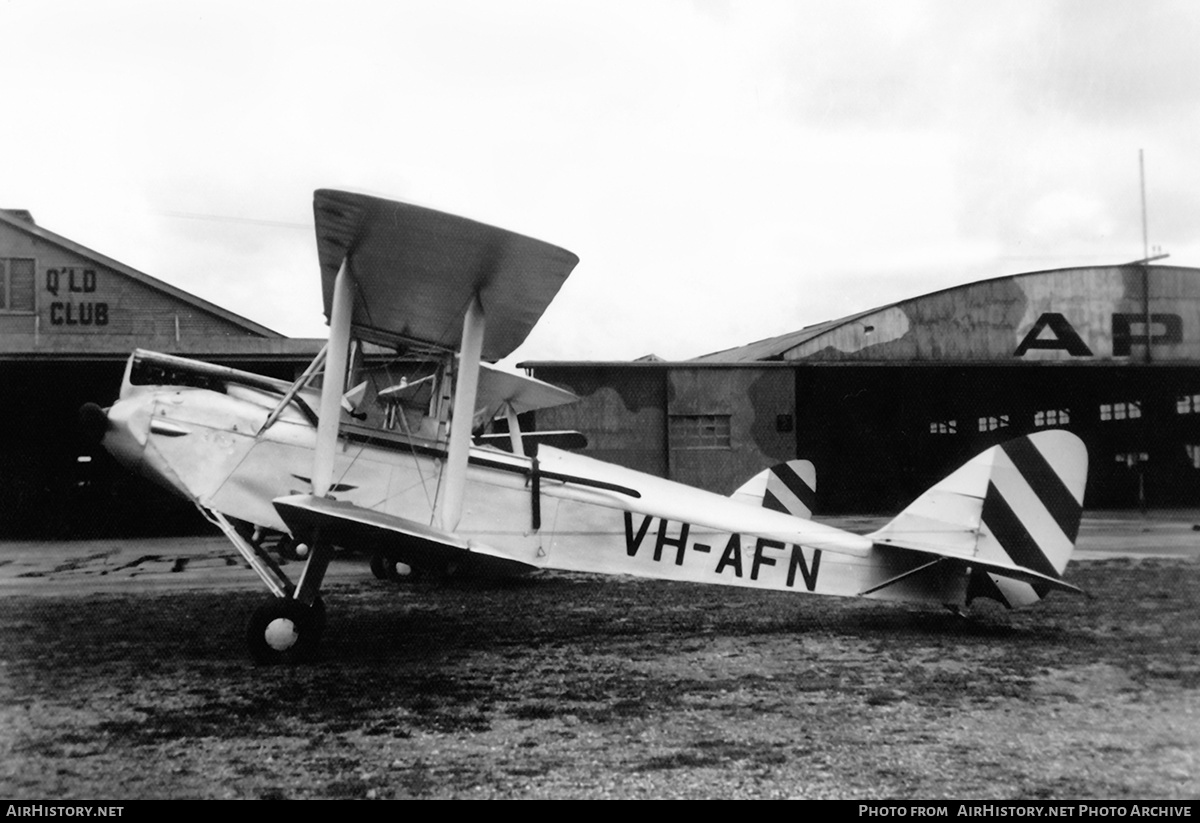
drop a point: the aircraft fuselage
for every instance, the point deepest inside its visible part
(559, 510)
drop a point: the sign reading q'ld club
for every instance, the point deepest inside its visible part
(73, 297)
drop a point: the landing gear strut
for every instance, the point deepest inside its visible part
(288, 627)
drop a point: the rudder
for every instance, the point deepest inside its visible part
(1031, 512)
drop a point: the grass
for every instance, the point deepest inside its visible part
(571, 686)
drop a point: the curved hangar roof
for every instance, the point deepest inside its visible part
(1068, 315)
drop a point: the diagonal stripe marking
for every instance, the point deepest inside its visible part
(772, 502)
(1031, 511)
(796, 485)
(783, 495)
(1012, 536)
(1047, 484)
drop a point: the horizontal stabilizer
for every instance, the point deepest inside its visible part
(1005, 570)
(416, 544)
(1034, 579)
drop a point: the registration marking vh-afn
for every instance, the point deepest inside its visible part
(729, 559)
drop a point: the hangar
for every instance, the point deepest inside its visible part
(884, 402)
(887, 401)
(69, 318)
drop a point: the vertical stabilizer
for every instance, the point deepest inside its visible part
(789, 487)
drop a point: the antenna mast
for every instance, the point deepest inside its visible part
(1158, 254)
(1145, 231)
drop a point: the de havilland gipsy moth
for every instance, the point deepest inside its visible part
(375, 448)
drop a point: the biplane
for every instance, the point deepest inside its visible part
(380, 446)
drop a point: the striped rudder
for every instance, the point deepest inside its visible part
(789, 487)
(1031, 512)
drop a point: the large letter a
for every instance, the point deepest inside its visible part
(1065, 337)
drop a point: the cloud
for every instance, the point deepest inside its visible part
(725, 170)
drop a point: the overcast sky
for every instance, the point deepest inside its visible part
(726, 171)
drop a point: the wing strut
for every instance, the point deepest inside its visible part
(258, 560)
(336, 360)
(514, 430)
(329, 418)
(462, 416)
(316, 363)
(903, 576)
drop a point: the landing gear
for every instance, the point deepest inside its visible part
(284, 630)
(288, 627)
(388, 568)
(958, 611)
(282, 543)
(291, 549)
(377, 567)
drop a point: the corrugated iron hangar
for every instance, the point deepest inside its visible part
(69, 319)
(888, 401)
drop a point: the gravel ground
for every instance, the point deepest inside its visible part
(577, 686)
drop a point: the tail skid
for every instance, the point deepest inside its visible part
(1009, 515)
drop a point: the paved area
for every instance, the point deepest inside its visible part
(147, 564)
(143, 564)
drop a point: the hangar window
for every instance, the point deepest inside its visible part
(16, 284)
(700, 431)
(1120, 411)
(943, 427)
(1188, 404)
(989, 424)
(1052, 417)
(1131, 459)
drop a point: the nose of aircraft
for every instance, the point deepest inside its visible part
(93, 422)
(122, 428)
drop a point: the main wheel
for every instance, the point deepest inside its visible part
(291, 549)
(402, 572)
(389, 568)
(379, 566)
(284, 630)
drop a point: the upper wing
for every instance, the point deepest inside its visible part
(415, 271)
